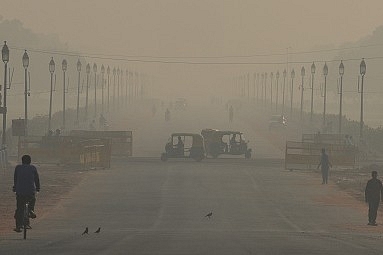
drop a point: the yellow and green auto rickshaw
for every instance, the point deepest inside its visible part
(184, 145)
(219, 142)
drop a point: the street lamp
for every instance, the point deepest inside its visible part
(51, 70)
(126, 86)
(257, 87)
(87, 90)
(102, 88)
(362, 72)
(265, 87)
(118, 87)
(5, 57)
(303, 73)
(325, 73)
(292, 92)
(114, 87)
(341, 72)
(78, 92)
(95, 89)
(64, 65)
(271, 90)
(262, 82)
(108, 72)
(283, 91)
(25, 65)
(312, 91)
(276, 101)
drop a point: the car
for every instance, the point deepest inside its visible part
(277, 121)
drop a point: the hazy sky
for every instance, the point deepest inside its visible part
(197, 27)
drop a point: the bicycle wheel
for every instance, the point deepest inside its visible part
(26, 219)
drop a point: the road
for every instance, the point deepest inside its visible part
(145, 206)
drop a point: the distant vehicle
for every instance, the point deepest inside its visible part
(277, 121)
(181, 104)
(184, 145)
(225, 142)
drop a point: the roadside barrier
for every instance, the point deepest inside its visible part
(121, 141)
(307, 155)
(88, 153)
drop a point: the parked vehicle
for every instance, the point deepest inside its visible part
(225, 142)
(184, 145)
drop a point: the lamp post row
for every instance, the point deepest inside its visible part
(260, 82)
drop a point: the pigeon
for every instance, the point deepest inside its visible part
(98, 230)
(85, 231)
(209, 214)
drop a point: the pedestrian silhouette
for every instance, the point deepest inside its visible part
(85, 231)
(98, 230)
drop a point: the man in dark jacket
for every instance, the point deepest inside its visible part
(373, 194)
(325, 165)
(26, 184)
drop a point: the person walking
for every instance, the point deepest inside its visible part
(26, 184)
(373, 194)
(325, 165)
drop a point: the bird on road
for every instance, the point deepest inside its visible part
(98, 230)
(209, 214)
(85, 231)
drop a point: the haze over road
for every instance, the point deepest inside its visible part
(145, 206)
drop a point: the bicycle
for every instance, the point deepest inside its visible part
(26, 221)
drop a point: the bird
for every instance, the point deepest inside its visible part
(209, 214)
(85, 231)
(98, 230)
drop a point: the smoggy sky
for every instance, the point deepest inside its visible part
(197, 27)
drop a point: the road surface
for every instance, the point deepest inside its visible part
(145, 206)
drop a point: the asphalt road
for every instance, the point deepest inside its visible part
(145, 206)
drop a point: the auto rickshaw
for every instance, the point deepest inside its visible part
(184, 145)
(225, 142)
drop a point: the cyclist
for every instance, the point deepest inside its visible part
(26, 184)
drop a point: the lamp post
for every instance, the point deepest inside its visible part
(262, 81)
(102, 88)
(325, 73)
(276, 100)
(118, 87)
(341, 72)
(108, 72)
(257, 87)
(271, 90)
(51, 70)
(87, 91)
(78, 92)
(312, 91)
(114, 87)
(95, 89)
(25, 65)
(283, 91)
(5, 58)
(292, 92)
(64, 66)
(303, 73)
(362, 72)
(265, 88)
(126, 86)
